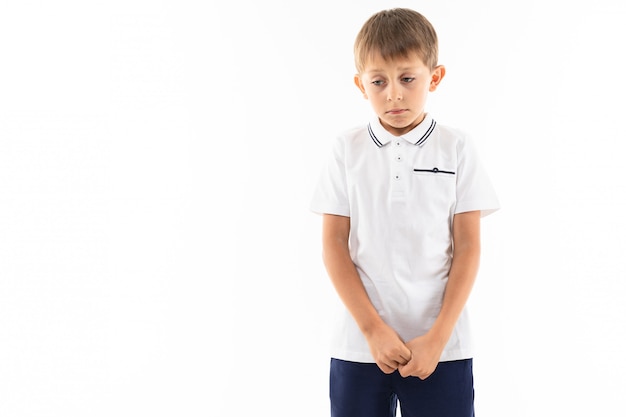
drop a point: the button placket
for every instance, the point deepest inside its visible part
(397, 168)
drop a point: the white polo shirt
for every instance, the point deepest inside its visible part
(401, 194)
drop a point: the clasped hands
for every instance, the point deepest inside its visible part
(418, 357)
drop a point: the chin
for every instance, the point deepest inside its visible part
(400, 126)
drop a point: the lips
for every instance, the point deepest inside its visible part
(396, 111)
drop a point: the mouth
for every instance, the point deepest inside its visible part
(396, 111)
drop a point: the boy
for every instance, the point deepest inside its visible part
(401, 200)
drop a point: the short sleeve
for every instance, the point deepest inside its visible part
(475, 190)
(331, 193)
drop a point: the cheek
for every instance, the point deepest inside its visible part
(370, 90)
(373, 94)
(420, 90)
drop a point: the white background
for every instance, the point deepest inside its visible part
(157, 255)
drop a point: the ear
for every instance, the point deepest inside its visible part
(359, 83)
(438, 73)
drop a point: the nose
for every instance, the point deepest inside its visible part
(394, 92)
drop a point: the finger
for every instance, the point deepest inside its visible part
(406, 354)
(404, 371)
(400, 361)
(405, 357)
(401, 356)
(386, 368)
(424, 374)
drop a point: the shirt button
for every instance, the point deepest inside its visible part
(398, 158)
(396, 177)
(398, 143)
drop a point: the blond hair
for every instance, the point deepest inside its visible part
(396, 33)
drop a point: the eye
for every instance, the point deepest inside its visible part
(408, 79)
(378, 82)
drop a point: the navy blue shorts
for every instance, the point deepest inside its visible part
(363, 390)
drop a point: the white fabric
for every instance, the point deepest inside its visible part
(401, 194)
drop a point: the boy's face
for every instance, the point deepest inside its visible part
(397, 90)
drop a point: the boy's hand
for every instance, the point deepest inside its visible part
(425, 355)
(388, 350)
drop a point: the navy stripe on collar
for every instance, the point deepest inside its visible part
(433, 123)
(373, 136)
(419, 142)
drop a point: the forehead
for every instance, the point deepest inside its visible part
(376, 63)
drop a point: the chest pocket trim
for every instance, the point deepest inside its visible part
(434, 171)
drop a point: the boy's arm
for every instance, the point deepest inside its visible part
(426, 350)
(388, 350)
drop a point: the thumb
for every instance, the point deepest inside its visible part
(405, 370)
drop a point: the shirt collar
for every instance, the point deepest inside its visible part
(418, 136)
